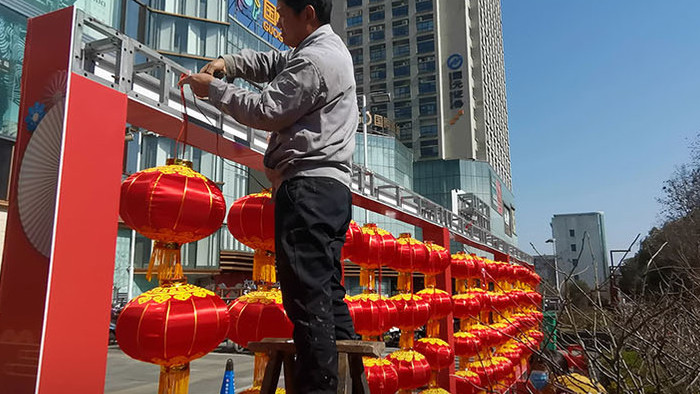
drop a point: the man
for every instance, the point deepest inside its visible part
(310, 107)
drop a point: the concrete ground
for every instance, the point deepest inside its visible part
(128, 376)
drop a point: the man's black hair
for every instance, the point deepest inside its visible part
(322, 7)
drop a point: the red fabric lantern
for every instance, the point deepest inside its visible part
(412, 367)
(440, 302)
(258, 315)
(466, 344)
(466, 305)
(467, 382)
(438, 352)
(171, 326)
(534, 299)
(438, 260)
(371, 314)
(376, 248)
(382, 377)
(485, 334)
(353, 238)
(251, 220)
(172, 205)
(412, 311)
(410, 254)
(465, 266)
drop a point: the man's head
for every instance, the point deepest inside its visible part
(299, 18)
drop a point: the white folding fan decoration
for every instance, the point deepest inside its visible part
(38, 180)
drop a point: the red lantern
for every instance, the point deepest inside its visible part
(438, 352)
(377, 247)
(413, 311)
(410, 254)
(440, 302)
(371, 314)
(172, 205)
(467, 382)
(466, 305)
(382, 377)
(466, 344)
(465, 266)
(251, 220)
(353, 238)
(534, 299)
(485, 334)
(438, 260)
(258, 315)
(412, 367)
(171, 326)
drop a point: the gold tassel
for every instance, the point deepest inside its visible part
(260, 364)
(166, 261)
(406, 340)
(405, 282)
(433, 329)
(264, 268)
(367, 280)
(174, 380)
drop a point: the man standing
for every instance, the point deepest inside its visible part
(310, 107)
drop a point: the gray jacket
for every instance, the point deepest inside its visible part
(309, 105)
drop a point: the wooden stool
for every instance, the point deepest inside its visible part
(351, 377)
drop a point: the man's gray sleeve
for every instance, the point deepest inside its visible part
(255, 66)
(291, 95)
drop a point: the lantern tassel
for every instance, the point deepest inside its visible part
(174, 380)
(166, 260)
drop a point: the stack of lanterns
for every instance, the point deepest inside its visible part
(413, 312)
(258, 314)
(370, 247)
(506, 325)
(175, 322)
(438, 352)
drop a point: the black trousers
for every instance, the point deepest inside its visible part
(312, 215)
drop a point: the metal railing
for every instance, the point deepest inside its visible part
(107, 56)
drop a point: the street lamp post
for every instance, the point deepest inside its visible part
(553, 241)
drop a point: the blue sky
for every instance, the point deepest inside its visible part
(603, 98)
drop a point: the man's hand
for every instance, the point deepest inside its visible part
(199, 83)
(216, 67)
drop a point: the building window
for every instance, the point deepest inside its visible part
(428, 128)
(426, 85)
(376, 13)
(427, 106)
(378, 71)
(354, 3)
(399, 8)
(354, 18)
(377, 53)
(428, 148)
(402, 89)
(403, 110)
(574, 262)
(572, 233)
(426, 64)
(377, 87)
(424, 23)
(576, 277)
(573, 247)
(376, 33)
(400, 28)
(359, 75)
(405, 131)
(424, 5)
(378, 109)
(356, 56)
(402, 68)
(355, 37)
(425, 44)
(402, 48)
(6, 148)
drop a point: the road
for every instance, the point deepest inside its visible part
(128, 376)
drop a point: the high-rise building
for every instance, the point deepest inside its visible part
(442, 62)
(581, 250)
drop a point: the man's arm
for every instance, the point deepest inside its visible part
(291, 95)
(255, 66)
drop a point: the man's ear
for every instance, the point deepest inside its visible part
(310, 14)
